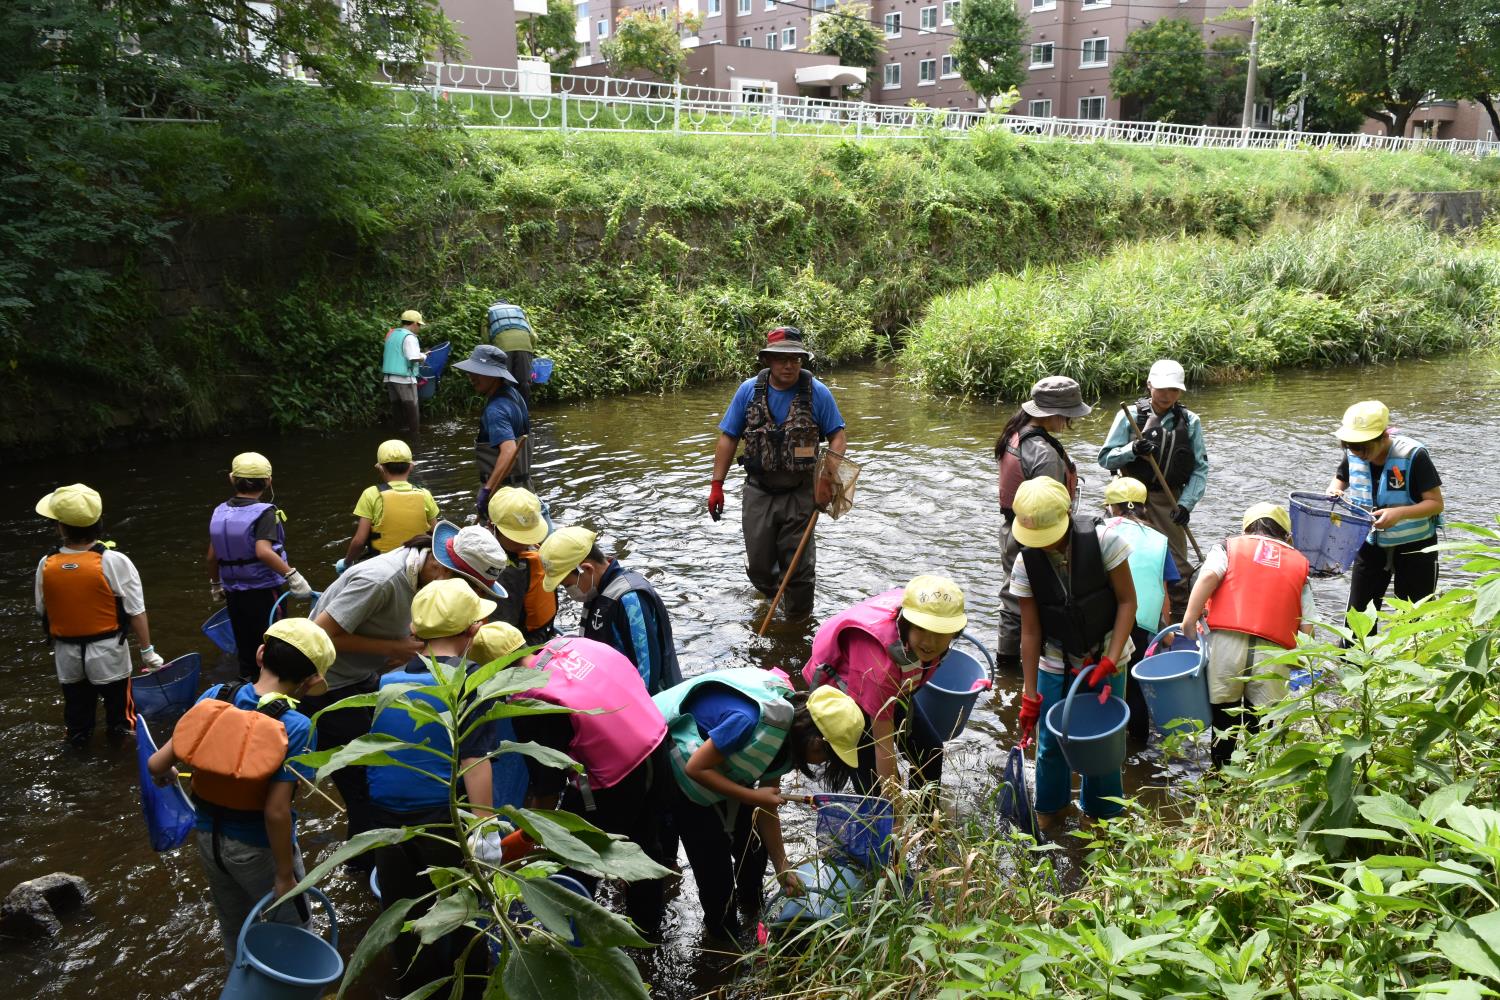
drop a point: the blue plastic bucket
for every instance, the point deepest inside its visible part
(1175, 685)
(945, 701)
(1328, 530)
(1092, 735)
(426, 389)
(282, 961)
(277, 613)
(220, 631)
(168, 691)
(827, 885)
(541, 370)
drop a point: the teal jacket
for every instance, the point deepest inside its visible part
(1117, 452)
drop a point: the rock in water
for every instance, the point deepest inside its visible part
(32, 909)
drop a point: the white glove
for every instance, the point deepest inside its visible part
(216, 590)
(298, 586)
(151, 659)
(485, 845)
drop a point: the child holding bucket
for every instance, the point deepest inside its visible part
(1256, 591)
(1152, 570)
(1072, 580)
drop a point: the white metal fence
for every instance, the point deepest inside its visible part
(509, 99)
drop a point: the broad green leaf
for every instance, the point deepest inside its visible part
(1387, 810)
(584, 846)
(1435, 805)
(510, 709)
(447, 914)
(1487, 604)
(541, 969)
(1467, 953)
(1361, 832)
(381, 933)
(1487, 927)
(554, 904)
(353, 847)
(542, 754)
(370, 750)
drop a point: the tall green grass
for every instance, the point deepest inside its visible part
(1353, 287)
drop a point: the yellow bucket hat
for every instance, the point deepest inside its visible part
(77, 506)
(1123, 489)
(1364, 421)
(1041, 505)
(250, 465)
(495, 640)
(935, 603)
(447, 607)
(310, 640)
(1274, 511)
(840, 721)
(561, 553)
(517, 513)
(392, 451)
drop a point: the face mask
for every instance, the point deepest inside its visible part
(578, 593)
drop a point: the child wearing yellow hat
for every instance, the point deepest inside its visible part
(520, 525)
(393, 511)
(1255, 588)
(1152, 570)
(89, 596)
(246, 831)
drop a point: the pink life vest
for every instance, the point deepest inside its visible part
(589, 676)
(877, 617)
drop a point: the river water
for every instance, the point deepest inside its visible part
(636, 469)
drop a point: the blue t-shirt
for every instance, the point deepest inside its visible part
(825, 410)
(299, 740)
(504, 418)
(724, 716)
(1169, 571)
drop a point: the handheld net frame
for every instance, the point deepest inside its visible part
(841, 474)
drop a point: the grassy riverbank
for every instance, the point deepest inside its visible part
(1353, 287)
(1352, 851)
(261, 289)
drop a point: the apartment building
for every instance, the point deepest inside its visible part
(489, 27)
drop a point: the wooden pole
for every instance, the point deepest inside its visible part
(796, 558)
(1151, 457)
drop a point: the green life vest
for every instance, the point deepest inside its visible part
(394, 362)
(1148, 561)
(750, 764)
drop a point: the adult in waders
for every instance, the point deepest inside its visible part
(1153, 572)
(502, 448)
(445, 614)
(619, 736)
(239, 740)
(367, 614)
(519, 525)
(1172, 435)
(781, 415)
(879, 652)
(1393, 476)
(400, 362)
(393, 511)
(247, 560)
(1025, 449)
(510, 330)
(1256, 591)
(89, 598)
(1077, 609)
(620, 607)
(734, 734)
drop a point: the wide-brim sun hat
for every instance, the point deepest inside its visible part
(935, 603)
(1057, 396)
(786, 340)
(487, 359)
(445, 551)
(1364, 421)
(1042, 507)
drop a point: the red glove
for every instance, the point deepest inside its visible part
(716, 499)
(1031, 711)
(1104, 668)
(516, 845)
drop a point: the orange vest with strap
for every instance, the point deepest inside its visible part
(540, 604)
(79, 603)
(234, 753)
(1261, 594)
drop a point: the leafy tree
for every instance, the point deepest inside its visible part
(551, 36)
(1476, 68)
(988, 48)
(1164, 72)
(848, 33)
(648, 42)
(1227, 67)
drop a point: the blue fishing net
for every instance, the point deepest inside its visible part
(1013, 801)
(169, 691)
(856, 829)
(169, 814)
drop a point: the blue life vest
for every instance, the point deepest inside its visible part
(604, 620)
(1394, 490)
(1148, 561)
(398, 789)
(232, 532)
(394, 361)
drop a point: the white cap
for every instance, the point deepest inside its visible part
(1167, 374)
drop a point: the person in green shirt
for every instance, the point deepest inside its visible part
(392, 512)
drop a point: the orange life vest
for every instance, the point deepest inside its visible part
(1261, 594)
(540, 604)
(79, 603)
(234, 753)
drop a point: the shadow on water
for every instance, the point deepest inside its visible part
(637, 470)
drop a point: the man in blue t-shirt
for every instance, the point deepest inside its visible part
(781, 415)
(502, 448)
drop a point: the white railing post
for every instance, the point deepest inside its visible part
(677, 107)
(565, 111)
(775, 111)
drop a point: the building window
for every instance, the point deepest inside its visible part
(770, 4)
(744, 42)
(892, 78)
(1091, 108)
(926, 71)
(603, 27)
(893, 24)
(715, 8)
(771, 41)
(950, 66)
(927, 19)
(1039, 109)
(1037, 5)
(756, 93)
(743, 6)
(1095, 52)
(1091, 4)
(788, 38)
(582, 11)
(1041, 55)
(588, 48)
(950, 11)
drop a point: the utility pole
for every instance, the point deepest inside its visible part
(1247, 118)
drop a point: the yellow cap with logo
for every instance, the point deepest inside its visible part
(495, 640)
(447, 607)
(1364, 421)
(250, 465)
(935, 603)
(392, 451)
(1274, 511)
(1123, 489)
(561, 553)
(77, 506)
(840, 721)
(517, 513)
(1041, 505)
(310, 640)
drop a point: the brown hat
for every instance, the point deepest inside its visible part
(1056, 396)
